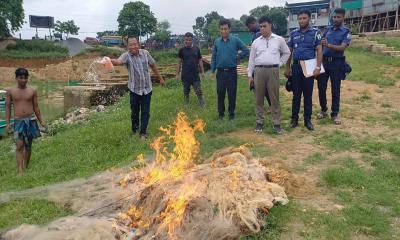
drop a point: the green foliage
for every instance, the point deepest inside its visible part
(136, 19)
(37, 46)
(29, 49)
(202, 24)
(29, 211)
(278, 16)
(68, 27)
(213, 30)
(11, 17)
(162, 33)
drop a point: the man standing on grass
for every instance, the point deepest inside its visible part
(190, 60)
(305, 44)
(335, 40)
(267, 54)
(26, 115)
(138, 62)
(225, 60)
(252, 25)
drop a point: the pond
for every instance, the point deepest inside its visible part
(50, 96)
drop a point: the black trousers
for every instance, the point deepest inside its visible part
(334, 71)
(302, 86)
(194, 81)
(227, 83)
(140, 104)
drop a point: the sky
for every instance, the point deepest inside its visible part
(94, 16)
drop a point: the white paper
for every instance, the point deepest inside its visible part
(309, 67)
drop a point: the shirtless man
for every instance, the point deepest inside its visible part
(26, 112)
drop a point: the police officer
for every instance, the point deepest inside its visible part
(304, 43)
(334, 41)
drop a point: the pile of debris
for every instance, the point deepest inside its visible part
(227, 196)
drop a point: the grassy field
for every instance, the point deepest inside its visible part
(34, 49)
(390, 42)
(357, 169)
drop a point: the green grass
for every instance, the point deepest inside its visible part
(371, 67)
(104, 141)
(29, 211)
(34, 49)
(337, 141)
(390, 42)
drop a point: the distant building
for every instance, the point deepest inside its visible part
(361, 15)
(319, 13)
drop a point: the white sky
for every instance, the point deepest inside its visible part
(98, 15)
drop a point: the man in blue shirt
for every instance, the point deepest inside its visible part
(335, 40)
(224, 60)
(252, 25)
(304, 43)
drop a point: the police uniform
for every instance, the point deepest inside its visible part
(303, 45)
(334, 62)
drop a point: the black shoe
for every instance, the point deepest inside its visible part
(231, 117)
(259, 128)
(294, 123)
(309, 125)
(278, 129)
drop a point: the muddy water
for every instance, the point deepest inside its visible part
(50, 96)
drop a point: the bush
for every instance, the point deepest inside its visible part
(37, 46)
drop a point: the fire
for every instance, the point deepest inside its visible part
(177, 199)
(170, 166)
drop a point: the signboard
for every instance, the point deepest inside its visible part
(41, 21)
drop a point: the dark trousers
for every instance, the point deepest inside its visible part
(226, 83)
(189, 81)
(334, 71)
(140, 103)
(301, 86)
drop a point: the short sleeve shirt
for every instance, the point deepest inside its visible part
(190, 60)
(336, 36)
(138, 68)
(304, 44)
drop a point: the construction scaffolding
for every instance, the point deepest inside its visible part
(376, 15)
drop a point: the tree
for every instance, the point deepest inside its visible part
(213, 30)
(11, 17)
(68, 27)
(277, 14)
(259, 11)
(162, 33)
(237, 25)
(136, 19)
(202, 24)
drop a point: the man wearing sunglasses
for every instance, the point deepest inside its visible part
(304, 43)
(268, 53)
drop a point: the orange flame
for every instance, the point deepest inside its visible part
(171, 166)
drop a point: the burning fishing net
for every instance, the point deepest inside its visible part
(225, 197)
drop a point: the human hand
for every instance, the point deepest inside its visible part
(288, 73)
(316, 72)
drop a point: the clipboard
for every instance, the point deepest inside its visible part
(308, 67)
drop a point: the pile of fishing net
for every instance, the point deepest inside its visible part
(229, 195)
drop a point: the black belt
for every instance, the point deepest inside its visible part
(226, 69)
(268, 66)
(331, 59)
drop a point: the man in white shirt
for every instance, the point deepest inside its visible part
(268, 53)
